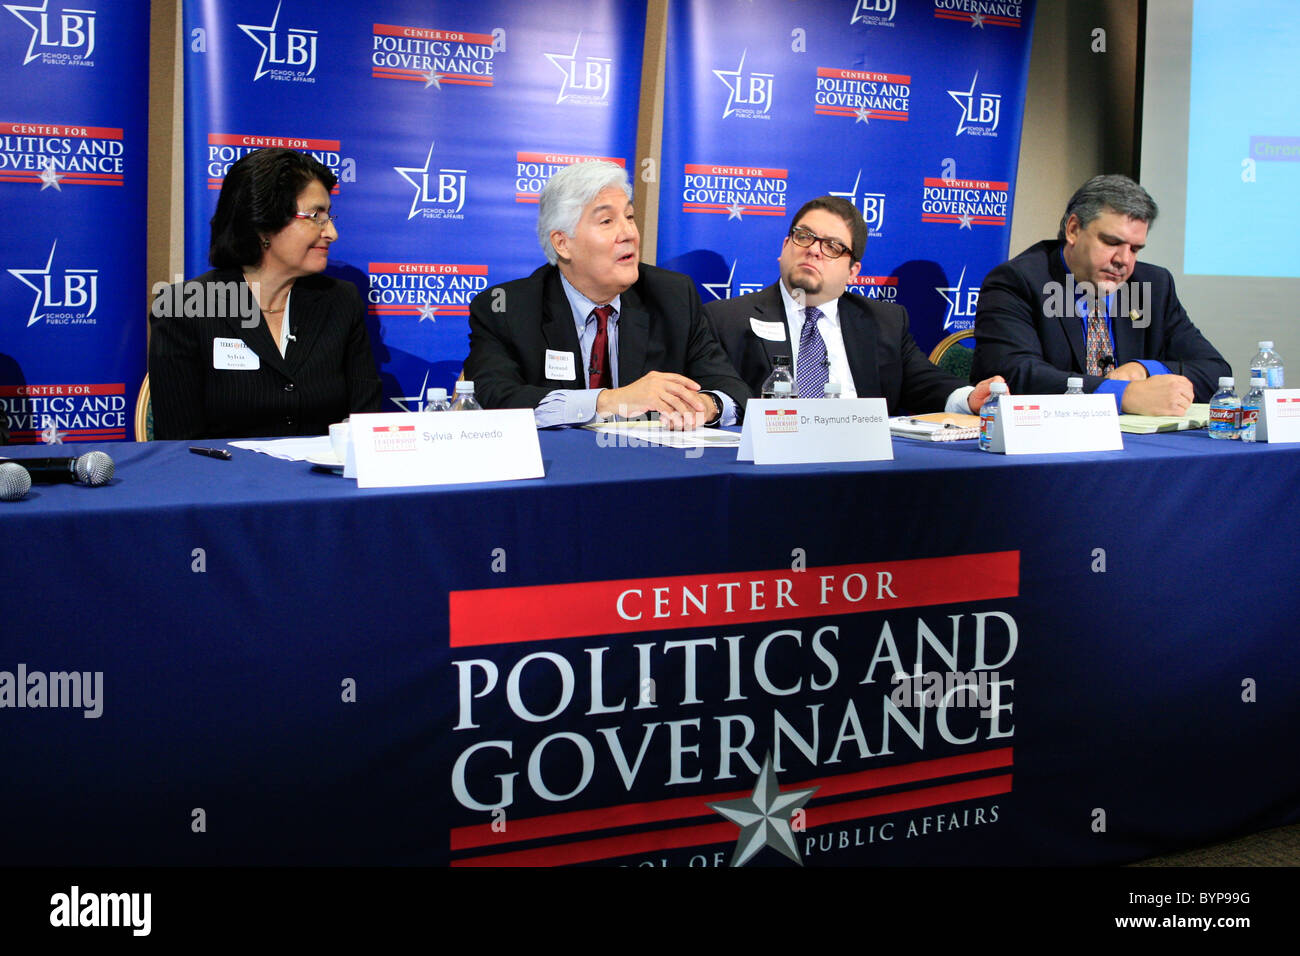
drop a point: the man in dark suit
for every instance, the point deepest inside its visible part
(862, 344)
(596, 334)
(1083, 305)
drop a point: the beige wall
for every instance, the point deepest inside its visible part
(1079, 112)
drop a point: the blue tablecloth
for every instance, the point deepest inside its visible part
(282, 680)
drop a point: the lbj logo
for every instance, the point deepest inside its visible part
(868, 11)
(872, 205)
(586, 79)
(71, 289)
(293, 49)
(961, 303)
(980, 112)
(70, 32)
(749, 94)
(439, 193)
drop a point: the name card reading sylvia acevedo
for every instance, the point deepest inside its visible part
(445, 448)
(1045, 424)
(812, 430)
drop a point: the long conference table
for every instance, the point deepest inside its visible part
(654, 657)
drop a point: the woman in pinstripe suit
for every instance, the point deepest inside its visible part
(263, 344)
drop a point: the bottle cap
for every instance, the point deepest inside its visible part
(464, 387)
(1074, 383)
(1257, 382)
(436, 394)
(1225, 381)
(998, 388)
(1264, 346)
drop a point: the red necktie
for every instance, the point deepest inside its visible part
(598, 374)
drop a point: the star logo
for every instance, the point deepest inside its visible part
(432, 79)
(965, 99)
(49, 177)
(852, 193)
(764, 817)
(22, 274)
(977, 20)
(51, 435)
(713, 287)
(406, 172)
(428, 311)
(861, 115)
(564, 63)
(965, 220)
(735, 211)
(954, 295)
(252, 31)
(414, 400)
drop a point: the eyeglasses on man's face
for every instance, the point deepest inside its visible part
(804, 238)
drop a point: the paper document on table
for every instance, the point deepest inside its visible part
(290, 449)
(633, 432)
(1198, 416)
(939, 426)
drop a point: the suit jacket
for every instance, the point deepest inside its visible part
(883, 358)
(661, 327)
(327, 373)
(1027, 332)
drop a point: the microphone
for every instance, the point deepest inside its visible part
(93, 468)
(15, 482)
(1105, 362)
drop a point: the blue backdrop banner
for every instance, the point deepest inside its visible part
(910, 109)
(442, 122)
(73, 153)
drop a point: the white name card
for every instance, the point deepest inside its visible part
(1046, 424)
(1279, 417)
(445, 448)
(811, 430)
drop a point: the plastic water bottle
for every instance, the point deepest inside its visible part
(436, 400)
(780, 374)
(1073, 386)
(464, 401)
(1250, 408)
(989, 415)
(1267, 365)
(1225, 411)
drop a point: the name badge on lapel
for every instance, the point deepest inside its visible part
(234, 355)
(560, 366)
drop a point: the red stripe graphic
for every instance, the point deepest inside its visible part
(551, 611)
(967, 18)
(655, 840)
(825, 110)
(721, 209)
(681, 808)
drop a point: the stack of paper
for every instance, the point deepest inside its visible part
(1198, 416)
(939, 426)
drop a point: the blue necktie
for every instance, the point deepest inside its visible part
(814, 370)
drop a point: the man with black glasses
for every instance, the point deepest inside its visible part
(862, 344)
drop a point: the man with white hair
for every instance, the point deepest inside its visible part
(596, 333)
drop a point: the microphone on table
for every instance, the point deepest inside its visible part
(93, 468)
(15, 482)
